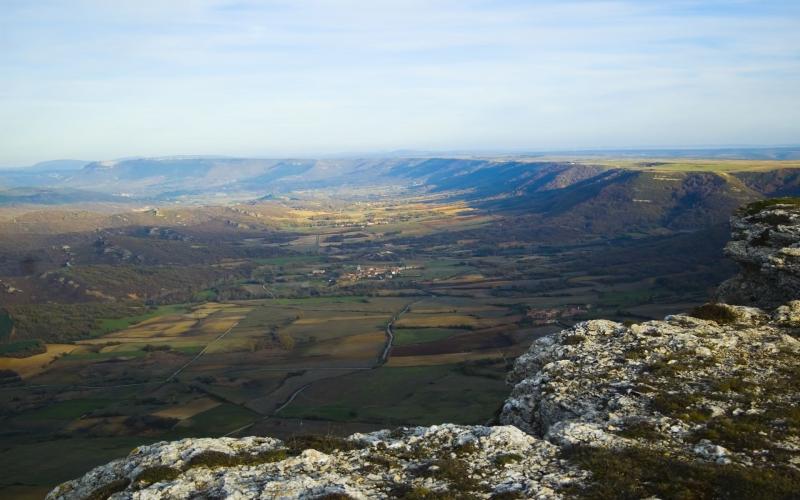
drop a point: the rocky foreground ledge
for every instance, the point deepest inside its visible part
(705, 405)
(708, 405)
(472, 461)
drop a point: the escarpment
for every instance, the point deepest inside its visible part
(699, 405)
(765, 242)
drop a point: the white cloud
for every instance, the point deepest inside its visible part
(103, 79)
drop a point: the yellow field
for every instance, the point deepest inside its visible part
(322, 320)
(322, 328)
(188, 410)
(364, 345)
(218, 325)
(692, 165)
(177, 325)
(34, 365)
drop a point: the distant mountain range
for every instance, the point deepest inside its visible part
(596, 195)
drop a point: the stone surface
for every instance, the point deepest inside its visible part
(766, 244)
(669, 384)
(475, 461)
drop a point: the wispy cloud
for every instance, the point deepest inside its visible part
(102, 79)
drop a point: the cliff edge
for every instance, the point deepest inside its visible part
(765, 242)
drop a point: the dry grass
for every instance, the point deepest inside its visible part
(444, 321)
(188, 409)
(34, 365)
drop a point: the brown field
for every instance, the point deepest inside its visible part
(415, 320)
(455, 357)
(457, 343)
(365, 345)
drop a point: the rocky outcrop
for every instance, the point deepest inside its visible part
(421, 462)
(724, 390)
(765, 242)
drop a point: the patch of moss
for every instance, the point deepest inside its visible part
(663, 368)
(453, 470)
(507, 458)
(324, 444)
(640, 430)
(635, 353)
(737, 433)
(634, 473)
(714, 312)
(573, 339)
(732, 384)
(407, 492)
(758, 206)
(673, 404)
(108, 489)
(381, 460)
(157, 474)
(507, 495)
(776, 219)
(465, 448)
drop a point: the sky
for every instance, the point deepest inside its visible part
(97, 79)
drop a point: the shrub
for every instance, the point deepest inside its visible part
(573, 339)
(757, 206)
(22, 348)
(640, 430)
(714, 312)
(454, 471)
(157, 474)
(325, 444)
(641, 473)
(507, 458)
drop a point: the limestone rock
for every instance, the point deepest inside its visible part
(675, 385)
(476, 461)
(765, 242)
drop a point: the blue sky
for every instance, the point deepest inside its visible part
(98, 79)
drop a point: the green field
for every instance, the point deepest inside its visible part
(22, 348)
(408, 336)
(402, 396)
(108, 325)
(67, 410)
(293, 260)
(221, 420)
(6, 324)
(34, 467)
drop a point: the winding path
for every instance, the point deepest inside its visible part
(384, 357)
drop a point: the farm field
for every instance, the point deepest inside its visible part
(340, 320)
